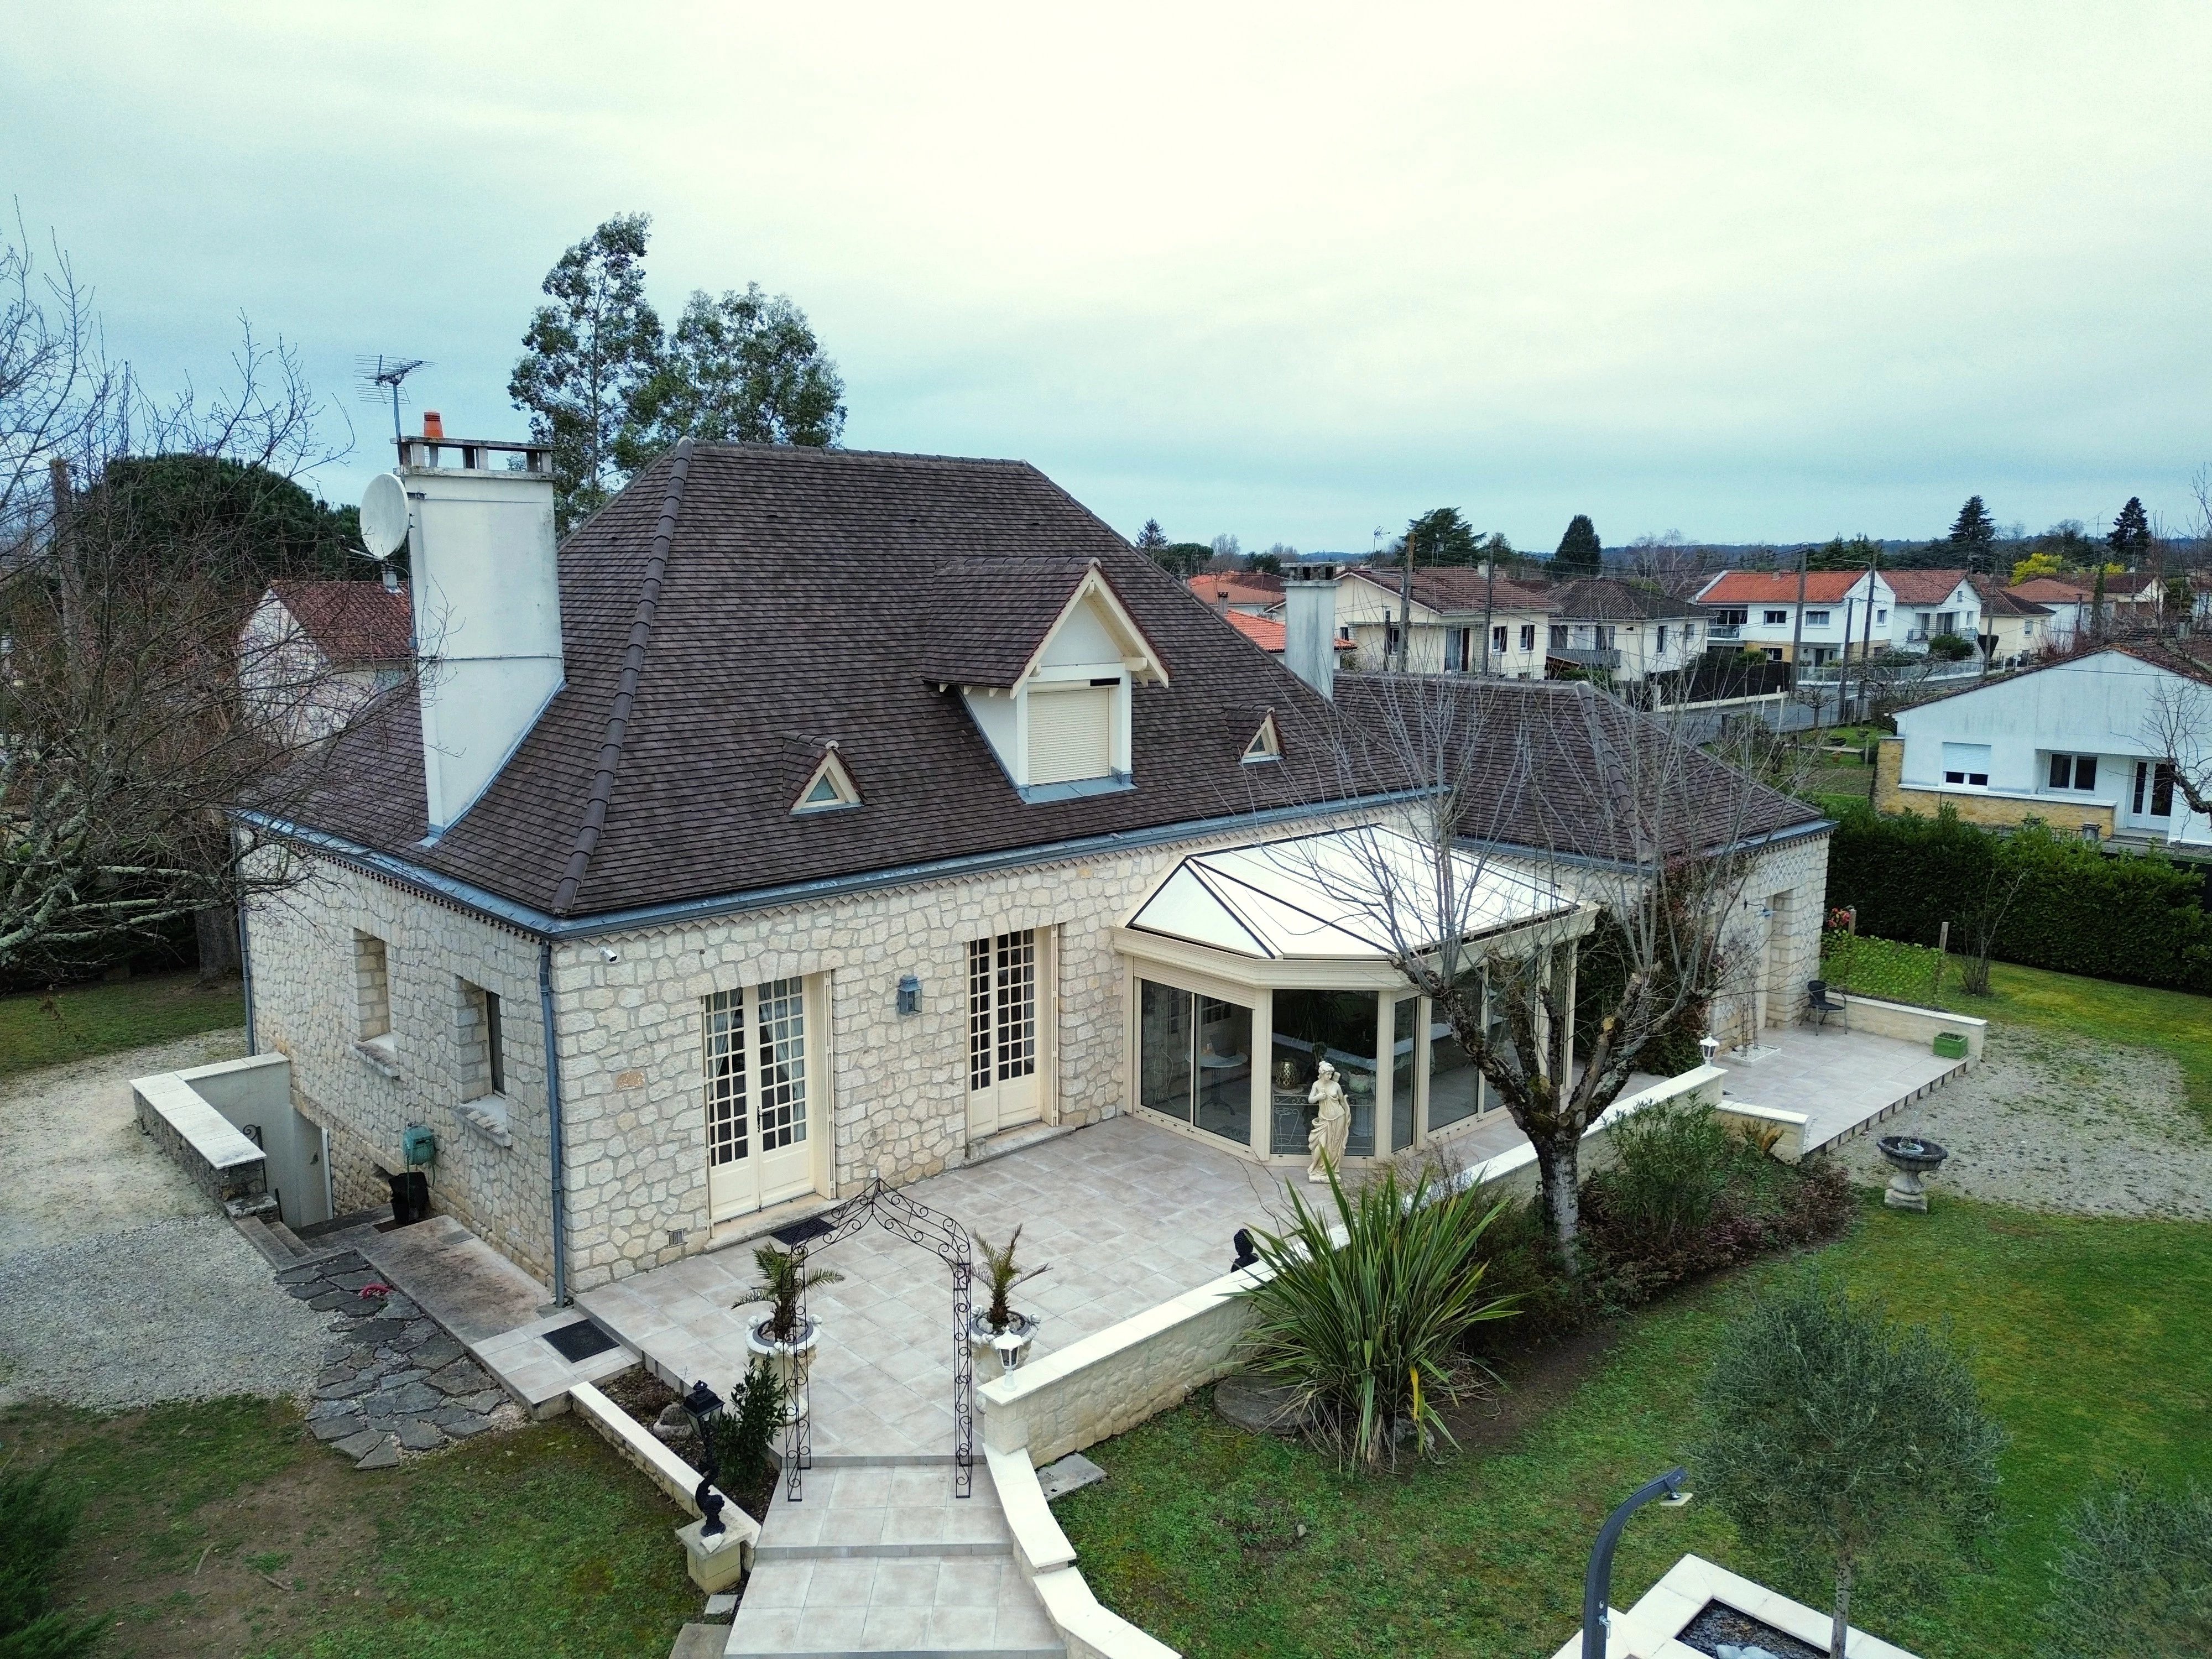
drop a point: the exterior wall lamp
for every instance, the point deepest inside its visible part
(909, 994)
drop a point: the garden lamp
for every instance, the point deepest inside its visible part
(1597, 1581)
(702, 1405)
(1709, 1045)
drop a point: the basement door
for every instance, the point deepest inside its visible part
(1006, 1081)
(759, 1099)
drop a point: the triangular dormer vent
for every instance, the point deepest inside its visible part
(829, 789)
(1267, 742)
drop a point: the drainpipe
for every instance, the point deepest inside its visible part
(246, 956)
(553, 1138)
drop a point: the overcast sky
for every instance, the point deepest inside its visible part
(1750, 271)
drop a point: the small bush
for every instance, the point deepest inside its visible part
(36, 1524)
(743, 1435)
(1368, 1333)
(1673, 1165)
(2135, 1574)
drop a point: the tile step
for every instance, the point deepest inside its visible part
(766, 1552)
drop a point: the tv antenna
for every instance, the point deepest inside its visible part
(380, 375)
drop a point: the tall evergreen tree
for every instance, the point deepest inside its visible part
(1442, 537)
(586, 357)
(2130, 537)
(1151, 538)
(1580, 553)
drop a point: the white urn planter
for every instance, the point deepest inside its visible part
(790, 1359)
(1000, 1351)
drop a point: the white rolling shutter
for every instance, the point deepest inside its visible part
(1071, 733)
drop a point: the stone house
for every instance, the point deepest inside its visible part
(672, 904)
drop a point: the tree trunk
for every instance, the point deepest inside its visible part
(218, 932)
(1559, 1169)
(1840, 1629)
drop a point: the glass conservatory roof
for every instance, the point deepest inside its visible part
(1344, 894)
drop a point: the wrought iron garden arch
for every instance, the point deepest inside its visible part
(934, 1231)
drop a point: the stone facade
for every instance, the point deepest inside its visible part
(1990, 811)
(632, 1035)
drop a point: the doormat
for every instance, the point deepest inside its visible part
(579, 1341)
(800, 1232)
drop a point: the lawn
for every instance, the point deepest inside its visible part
(39, 1028)
(2179, 1023)
(2089, 1339)
(221, 1530)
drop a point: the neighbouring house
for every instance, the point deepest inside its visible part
(663, 905)
(2067, 602)
(2076, 743)
(1463, 622)
(2015, 628)
(313, 653)
(1931, 604)
(1757, 610)
(1629, 631)
(1251, 593)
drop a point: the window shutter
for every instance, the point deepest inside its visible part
(1071, 733)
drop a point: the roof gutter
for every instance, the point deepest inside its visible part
(543, 925)
(1758, 843)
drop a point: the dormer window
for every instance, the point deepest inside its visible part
(1062, 728)
(1266, 744)
(830, 787)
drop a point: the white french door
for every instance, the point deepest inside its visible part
(1005, 1078)
(759, 1099)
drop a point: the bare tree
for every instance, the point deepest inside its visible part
(1531, 793)
(2177, 728)
(124, 739)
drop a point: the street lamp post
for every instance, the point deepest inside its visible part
(1597, 1581)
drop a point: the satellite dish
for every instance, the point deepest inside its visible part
(384, 514)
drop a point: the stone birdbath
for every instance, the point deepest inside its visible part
(1912, 1158)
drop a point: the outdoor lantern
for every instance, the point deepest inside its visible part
(1008, 1346)
(909, 994)
(1709, 1045)
(702, 1405)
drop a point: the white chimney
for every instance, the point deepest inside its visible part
(487, 602)
(1309, 622)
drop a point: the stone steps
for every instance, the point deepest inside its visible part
(878, 1558)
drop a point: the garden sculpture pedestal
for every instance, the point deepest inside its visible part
(1912, 1158)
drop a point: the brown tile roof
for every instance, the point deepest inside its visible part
(1998, 600)
(352, 623)
(1607, 598)
(1923, 586)
(1780, 586)
(686, 790)
(1560, 767)
(2050, 590)
(1459, 590)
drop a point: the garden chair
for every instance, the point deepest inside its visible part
(1819, 1005)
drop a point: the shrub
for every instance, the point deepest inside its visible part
(1832, 1432)
(1368, 1333)
(744, 1434)
(2134, 917)
(35, 1527)
(2135, 1574)
(1673, 1162)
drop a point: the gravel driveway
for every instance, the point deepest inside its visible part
(118, 1284)
(2060, 1122)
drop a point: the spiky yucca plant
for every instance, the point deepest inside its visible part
(1367, 1332)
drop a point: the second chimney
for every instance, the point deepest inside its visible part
(1310, 622)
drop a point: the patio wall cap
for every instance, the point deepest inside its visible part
(1860, 1000)
(1692, 1582)
(202, 1127)
(1039, 1544)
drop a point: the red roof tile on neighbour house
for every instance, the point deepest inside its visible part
(1999, 601)
(1779, 587)
(352, 623)
(2048, 590)
(1236, 587)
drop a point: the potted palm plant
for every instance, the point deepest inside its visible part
(1000, 1336)
(783, 1336)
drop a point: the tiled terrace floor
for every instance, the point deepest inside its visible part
(1841, 1080)
(1125, 1213)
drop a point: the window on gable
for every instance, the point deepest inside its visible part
(830, 788)
(1266, 745)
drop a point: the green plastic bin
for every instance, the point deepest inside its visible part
(1950, 1045)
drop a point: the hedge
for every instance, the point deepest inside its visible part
(2134, 917)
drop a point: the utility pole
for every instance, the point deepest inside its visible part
(1405, 605)
(1489, 607)
(1797, 631)
(1866, 648)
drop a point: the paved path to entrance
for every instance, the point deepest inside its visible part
(1126, 1214)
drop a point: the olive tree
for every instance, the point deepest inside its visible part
(1832, 1432)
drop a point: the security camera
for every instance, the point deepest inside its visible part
(607, 953)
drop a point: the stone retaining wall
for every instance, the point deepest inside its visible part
(215, 1156)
